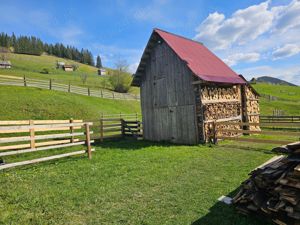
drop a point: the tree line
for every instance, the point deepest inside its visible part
(35, 46)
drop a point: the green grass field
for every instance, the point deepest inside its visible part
(132, 182)
(31, 66)
(33, 103)
(288, 98)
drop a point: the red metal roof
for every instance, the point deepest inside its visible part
(200, 59)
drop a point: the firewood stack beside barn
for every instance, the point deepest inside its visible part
(185, 87)
(273, 189)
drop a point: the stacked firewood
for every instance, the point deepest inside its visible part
(217, 111)
(250, 94)
(252, 108)
(221, 127)
(220, 93)
(273, 189)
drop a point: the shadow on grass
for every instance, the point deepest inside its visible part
(222, 214)
(131, 144)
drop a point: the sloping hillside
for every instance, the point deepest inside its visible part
(286, 98)
(32, 103)
(31, 66)
(273, 80)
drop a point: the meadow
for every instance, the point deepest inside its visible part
(31, 66)
(132, 182)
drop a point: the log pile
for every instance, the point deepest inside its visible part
(273, 189)
(220, 93)
(252, 108)
(217, 111)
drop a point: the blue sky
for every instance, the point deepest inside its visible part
(254, 37)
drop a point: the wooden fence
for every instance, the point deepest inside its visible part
(270, 129)
(57, 133)
(275, 118)
(51, 85)
(120, 125)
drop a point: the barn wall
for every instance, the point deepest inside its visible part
(167, 98)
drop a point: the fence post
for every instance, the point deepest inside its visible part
(24, 79)
(89, 91)
(69, 88)
(101, 93)
(122, 127)
(50, 84)
(101, 130)
(31, 131)
(88, 140)
(113, 94)
(72, 130)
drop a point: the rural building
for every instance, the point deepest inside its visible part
(184, 87)
(5, 64)
(60, 65)
(102, 72)
(68, 68)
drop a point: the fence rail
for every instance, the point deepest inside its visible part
(228, 133)
(120, 125)
(51, 85)
(271, 119)
(71, 133)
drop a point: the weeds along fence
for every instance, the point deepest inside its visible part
(282, 131)
(51, 85)
(31, 136)
(111, 126)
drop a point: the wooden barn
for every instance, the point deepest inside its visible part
(184, 87)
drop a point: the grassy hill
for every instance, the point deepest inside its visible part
(32, 103)
(31, 66)
(287, 98)
(273, 80)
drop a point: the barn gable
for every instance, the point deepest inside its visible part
(199, 59)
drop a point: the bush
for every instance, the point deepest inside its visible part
(45, 71)
(120, 81)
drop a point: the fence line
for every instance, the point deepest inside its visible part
(119, 125)
(227, 133)
(275, 118)
(51, 85)
(78, 134)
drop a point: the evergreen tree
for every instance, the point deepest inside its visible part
(35, 46)
(99, 62)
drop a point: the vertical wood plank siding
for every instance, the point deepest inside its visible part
(167, 98)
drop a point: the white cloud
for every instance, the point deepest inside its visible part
(261, 32)
(233, 59)
(286, 51)
(244, 25)
(287, 17)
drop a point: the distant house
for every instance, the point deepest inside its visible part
(68, 68)
(5, 64)
(102, 72)
(60, 65)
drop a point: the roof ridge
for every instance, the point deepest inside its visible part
(177, 35)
